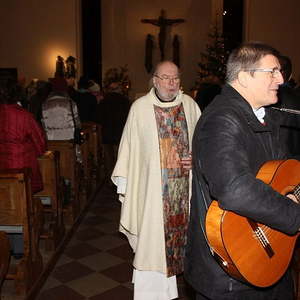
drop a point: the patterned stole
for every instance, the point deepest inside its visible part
(174, 145)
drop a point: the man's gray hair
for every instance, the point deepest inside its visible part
(247, 56)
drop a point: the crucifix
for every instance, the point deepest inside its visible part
(162, 23)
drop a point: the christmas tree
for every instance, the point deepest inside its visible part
(212, 66)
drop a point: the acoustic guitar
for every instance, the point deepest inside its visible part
(250, 251)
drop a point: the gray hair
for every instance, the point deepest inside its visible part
(247, 56)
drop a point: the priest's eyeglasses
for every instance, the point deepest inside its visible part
(273, 71)
(168, 78)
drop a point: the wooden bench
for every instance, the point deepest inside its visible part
(20, 213)
(52, 199)
(4, 257)
(94, 153)
(70, 171)
(88, 158)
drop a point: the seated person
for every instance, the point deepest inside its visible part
(60, 116)
(43, 89)
(86, 102)
(22, 141)
(59, 112)
(22, 138)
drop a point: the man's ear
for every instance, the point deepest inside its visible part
(243, 78)
(154, 81)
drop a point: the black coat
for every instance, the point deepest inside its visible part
(230, 145)
(113, 112)
(86, 105)
(290, 132)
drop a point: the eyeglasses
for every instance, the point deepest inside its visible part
(274, 72)
(168, 78)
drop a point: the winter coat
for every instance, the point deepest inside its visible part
(113, 112)
(22, 140)
(58, 120)
(229, 147)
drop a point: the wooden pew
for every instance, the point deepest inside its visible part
(20, 213)
(52, 199)
(100, 156)
(94, 154)
(88, 159)
(4, 257)
(70, 171)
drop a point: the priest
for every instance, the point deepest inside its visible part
(153, 176)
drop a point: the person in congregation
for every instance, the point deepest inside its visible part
(95, 89)
(206, 92)
(153, 176)
(237, 133)
(43, 89)
(22, 139)
(112, 114)
(71, 82)
(60, 115)
(86, 102)
(289, 98)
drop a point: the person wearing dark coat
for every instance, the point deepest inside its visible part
(113, 112)
(289, 98)
(206, 94)
(237, 133)
(43, 89)
(86, 102)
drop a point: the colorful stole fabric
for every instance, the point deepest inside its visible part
(174, 145)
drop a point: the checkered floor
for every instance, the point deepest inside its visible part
(96, 263)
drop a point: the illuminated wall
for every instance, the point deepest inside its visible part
(123, 36)
(276, 22)
(34, 32)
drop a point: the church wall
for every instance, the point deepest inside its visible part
(33, 33)
(277, 23)
(123, 36)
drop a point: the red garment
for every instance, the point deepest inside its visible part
(22, 140)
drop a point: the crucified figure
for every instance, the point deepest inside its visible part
(162, 23)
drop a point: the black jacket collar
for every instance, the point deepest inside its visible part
(243, 105)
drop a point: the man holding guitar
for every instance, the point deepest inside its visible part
(237, 242)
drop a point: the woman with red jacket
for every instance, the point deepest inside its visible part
(22, 139)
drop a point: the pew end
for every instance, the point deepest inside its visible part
(52, 199)
(4, 257)
(21, 213)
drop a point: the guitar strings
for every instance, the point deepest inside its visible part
(267, 231)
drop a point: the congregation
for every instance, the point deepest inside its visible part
(51, 163)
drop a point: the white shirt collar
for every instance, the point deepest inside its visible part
(259, 113)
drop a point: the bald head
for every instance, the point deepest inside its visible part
(164, 64)
(166, 80)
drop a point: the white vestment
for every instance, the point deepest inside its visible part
(139, 164)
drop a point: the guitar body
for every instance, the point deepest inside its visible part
(250, 251)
